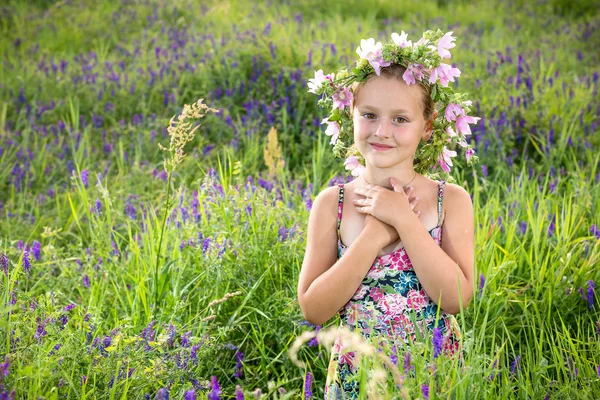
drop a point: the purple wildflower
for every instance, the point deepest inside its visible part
(162, 394)
(185, 339)
(40, 332)
(98, 207)
(55, 349)
(307, 384)
(84, 177)
(36, 249)
(425, 390)
(598, 370)
(189, 395)
(86, 281)
(172, 332)
(314, 341)
(4, 263)
(83, 380)
(215, 389)
(514, 366)
(590, 294)
(481, 284)
(239, 356)
(4, 367)
(70, 307)
(437, 342)
(26, 262)
(239, 395)
(595, 231)
(130, 211)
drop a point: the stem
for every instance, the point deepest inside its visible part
(162, 232)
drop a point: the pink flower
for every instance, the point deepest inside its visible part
(444, 44)
(342, 98)
(462, 123)
(451, 132)
(469, 153)
(401, 40)
(354, 165)
(371, 51)
(445, 159)
(453, 110)
(315, 83)
(446, 74)
(412, 71)
(333, 129)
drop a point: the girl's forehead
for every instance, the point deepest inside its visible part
(389, 93)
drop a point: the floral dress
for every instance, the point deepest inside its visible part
(389, 303)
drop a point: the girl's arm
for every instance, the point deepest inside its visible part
(441, 269)
(325, 284)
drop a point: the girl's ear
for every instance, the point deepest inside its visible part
(429, 127)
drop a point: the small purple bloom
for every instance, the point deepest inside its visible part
(215, 389)
(314, 341)
(185, 339)
(130, 210)
(437, 342)
(425, 390)
(590, 294)
(40, 332)
(239, 395)
(4, 262)
(86, 281)
(514, 366)
(84, 177)
(84, 379)
(598, 370)
(481, 283)
(239, 356)
(595, 231)
(26, 262)
(70, 307)
(162, 394)
(6, 365)
(36, 250)
(98, 207)
(307, 384)
(189, 395)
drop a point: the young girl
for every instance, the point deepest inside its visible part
(391, 247)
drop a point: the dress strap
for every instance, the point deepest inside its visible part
(441, 186)
(340, 207)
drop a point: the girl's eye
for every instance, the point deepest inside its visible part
(368, 115)
(401, 118)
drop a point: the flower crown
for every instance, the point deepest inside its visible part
(423, 63)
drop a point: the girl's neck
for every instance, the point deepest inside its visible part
(383, 179)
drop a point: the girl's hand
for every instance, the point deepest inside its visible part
(380, 232)
(388, 206)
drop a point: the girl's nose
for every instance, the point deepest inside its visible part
(383, 130)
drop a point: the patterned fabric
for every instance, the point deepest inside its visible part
(390, 304)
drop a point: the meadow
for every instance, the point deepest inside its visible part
(125, 276)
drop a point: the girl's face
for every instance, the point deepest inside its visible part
(389, 112)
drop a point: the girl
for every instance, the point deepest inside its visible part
(400, 245)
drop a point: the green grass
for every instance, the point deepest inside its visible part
(529, 306)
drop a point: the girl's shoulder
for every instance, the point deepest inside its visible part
(456, 201)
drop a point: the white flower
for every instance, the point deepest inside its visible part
(401, 40)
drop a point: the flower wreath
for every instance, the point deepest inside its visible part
(423, 62)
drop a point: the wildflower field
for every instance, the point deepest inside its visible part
(145, 256)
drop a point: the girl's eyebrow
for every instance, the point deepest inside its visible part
(400, 110)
